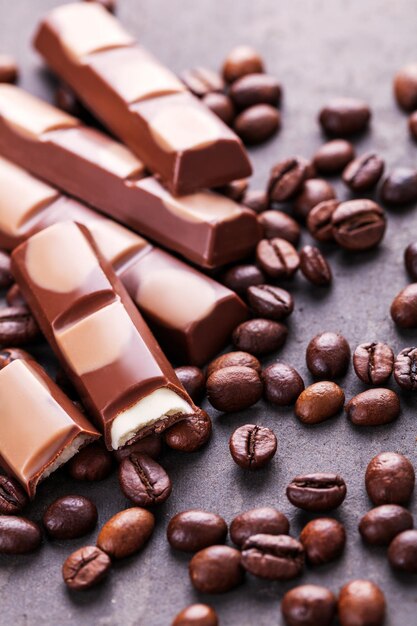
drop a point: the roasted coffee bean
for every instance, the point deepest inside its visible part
(260, 336)
(389, 479)
(252, 446)
(282, 384)
(323, 539)
(319, 402)
(201, 81)
(9, 71)
(410, 259)
(405, 369)
(256, 200)
(255, 89)
(373, 362)
(6, 278)
(273, 557)
(402, 552)
(343, 117)
(234, 388)
(150, 445)
(85, 568)
(286, 179)
(231, 359)
(191, 531)
(412, 124)
(109, 5)
(196, 615)
(70, 517)
(404, 307)
(193, 380)
(13, 498)
(328, 355)
(240, 277)
(319, 220)
(379, 526)
(7, 355)
(92, 463)
(257, 123)
(221, 105)
(364, 172)
(277, 257)
(235, 190)
(189, 434)
(17, 326)
(373, 407)
(66, 100)
(333, 156)
(143, 480)
(242, 60)
(14, 297)
(361, 603)
(405, 87)
(312, 192)
(358, 224)
(315, 267)
(279, 224)
(265, 520)
(216, 569)
(400, 186)
(317, 492)
(271, 302)
(126, 532)
(18, 535)
(308, 605)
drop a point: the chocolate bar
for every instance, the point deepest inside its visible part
(206, 228)
(40, 428)
(100, 338)
(139, 100)
(191, 315)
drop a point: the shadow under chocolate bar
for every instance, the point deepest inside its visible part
(206, 228)
(191, 314)
(140, 100)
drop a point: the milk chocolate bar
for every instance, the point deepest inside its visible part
(40, 428)
(99, 336)
(140, 100)
(206, 228)
(191, 315)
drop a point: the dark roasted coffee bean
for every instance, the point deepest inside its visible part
(193, 380)
(14, 297)
(240, 359)
(252, 446)
(363, 173)
(379, 526)
(234, 388)
(240, 277)
(234, 190)
(404, 307)
(201, 81)
(277, 257)
(18, 535)
(242, 60)
(343, 117)
(319, 220)
(216, 569)
(373, 362)
(317, 492)
(373, 407)
(279, 224)
(312, 192)
(315, 267)
(13, 499)
(323, 539)
(410, 259)
(405, 87)
(319, 402)
(85, 568)
(221, 105)
(126, 532)
(70, 517)
(412, 125)
(109, 5)
(282, 384)
(17, 326)
(257, 123)
(273, 557)
(143, 480)
(191, 531)
(358, 224)
(265, 520)
(389, 479)
(308, 605)
(260, 336)
(328, 355)
(400, 186)
(256, 200)
(7, 355)
(333, 156)
(92, 463)
(286, 179)
(9, 71)
(150, 445)
(6, 277)
(196, 615)
(190, 434)
(271, 302)
(405, 369)
(402, 553)
(255, 89)
(361, 603)
(66, 100)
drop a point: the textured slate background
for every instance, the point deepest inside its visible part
(317, 49)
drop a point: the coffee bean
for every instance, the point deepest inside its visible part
(271, 302)
(235, 190)
(286, 179)
(405, 369)
(315, 267)
(260, 336)
(400, 186)
(319, 220)
(143, 480)
(343, 117)
(17, 326)
(257, 123)
(312, 192)
(14, 297)
(373, 362)
(282, 384)
(191, 531)
(404, 307)
(7, 355)
(221, 105)
(256, 200)
(412, 125)
(109, 5)
(234, 388)
(402, 552)
(9, 71)
(230, 359)
(13, 498)
(265, 520)
(361, 603)
(308, 605)
(323, 539)
(18, 535)
(333, 156)
(319, 402)
(379, 526)
(85, 568)
(241, 61)
(252, 447)
(201, 81)
(317, 492)
(126, 532)
(6, 278)
(328, 355)
(373, 407)
(92, 463)
(405, 87)
(389, 479)
(358, 224)
(193, 380)
(273, 557)
(189, 434)
(410, 259)
(70, 517)
(216, 569)
(364, 172)
(255, 89)
(279, 224)
(277, 257)
(150, 445)
(240, 277)
(196, 615)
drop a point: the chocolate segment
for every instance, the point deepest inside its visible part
(139, 100)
